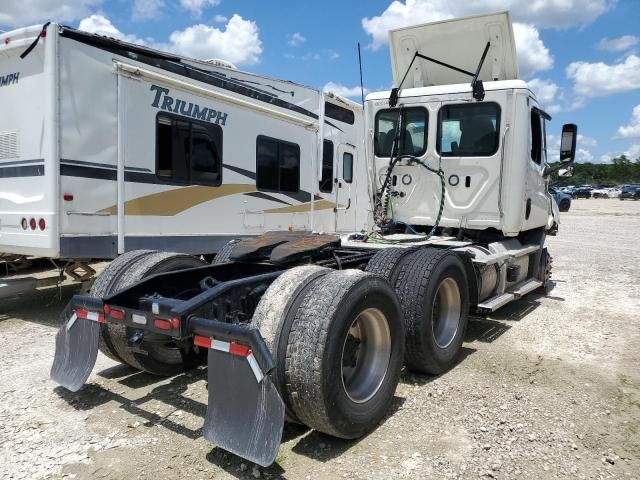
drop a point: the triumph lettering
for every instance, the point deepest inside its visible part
(6, 80)
(164, 101)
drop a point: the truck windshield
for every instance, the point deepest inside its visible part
(413, 140)
(468, 130)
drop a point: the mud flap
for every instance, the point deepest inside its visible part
(245, 414)
(76, 351)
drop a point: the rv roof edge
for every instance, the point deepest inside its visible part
(137, 71)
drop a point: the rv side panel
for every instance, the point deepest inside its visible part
(28, 140)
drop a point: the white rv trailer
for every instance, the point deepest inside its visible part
(107, 147)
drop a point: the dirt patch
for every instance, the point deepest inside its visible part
(549, 387)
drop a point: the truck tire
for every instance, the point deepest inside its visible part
(386, 262)
(344, 353)
(162, 358)
(103, 286)
(433, 289)
(274, 316)
(223, 255)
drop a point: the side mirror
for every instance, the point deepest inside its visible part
(565, 172)
(568, 143)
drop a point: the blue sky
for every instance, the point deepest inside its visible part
(582, 56)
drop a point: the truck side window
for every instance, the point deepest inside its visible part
(413, 140)
(468, 130)
(277, 165)
(537, 140)
(188, 151)
(326, 182)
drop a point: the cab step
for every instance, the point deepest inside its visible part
(517, 291)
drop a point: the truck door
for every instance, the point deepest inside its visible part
(468, 140)
(346, 187)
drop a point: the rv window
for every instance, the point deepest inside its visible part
(347, 167)
(188, 151)
(326, 182)
(277, 165)
(413, 140)
(339, 113)
(468, 130)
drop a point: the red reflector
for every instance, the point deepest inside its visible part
(43, 33)
(204, 342)
(7, 40)
(32, 223)
(87, 315)
(106, 309)
(175, 322)
(239, 350)
(162, 324)
(68, 197)
(116, 314)
(42, 224)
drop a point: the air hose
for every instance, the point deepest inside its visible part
(382, 204)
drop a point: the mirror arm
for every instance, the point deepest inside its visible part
(548, 170)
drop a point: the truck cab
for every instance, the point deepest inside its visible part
(487, 136)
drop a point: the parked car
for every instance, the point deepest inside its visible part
(614, 192)
(582, 192)
(630, 193)
(562, 199)
(605, 192)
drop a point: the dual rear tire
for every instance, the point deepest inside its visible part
(337, 340)
(161, 356)
(433, 289)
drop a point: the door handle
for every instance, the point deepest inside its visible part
(345, 208)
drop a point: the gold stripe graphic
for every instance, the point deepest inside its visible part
(303, 207)
(172, 202)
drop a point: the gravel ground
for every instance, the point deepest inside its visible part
(549, 387)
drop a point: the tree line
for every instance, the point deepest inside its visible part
(621, 170)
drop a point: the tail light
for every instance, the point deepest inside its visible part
(42, 224)
(24, 223)
(32, 223)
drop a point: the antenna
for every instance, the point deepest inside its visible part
(361, 84)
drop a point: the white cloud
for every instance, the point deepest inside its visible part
(542, 13)
(633, 129)
(333, 55)
(238, 43)
(533, 56)
(296, 39)
(599, 79)
(143, 9)
(27, 12)
(197, 6)
(583, 140)
(343, 90)
(544, 90)
(583, 155)
(619, 44)
(220, 19)
(102, 26)
(606, 158)
(633, 152)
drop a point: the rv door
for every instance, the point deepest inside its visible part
(346, 186)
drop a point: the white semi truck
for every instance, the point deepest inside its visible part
(314, 327)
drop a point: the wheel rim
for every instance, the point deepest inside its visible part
(365, 355)
(446, 312)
